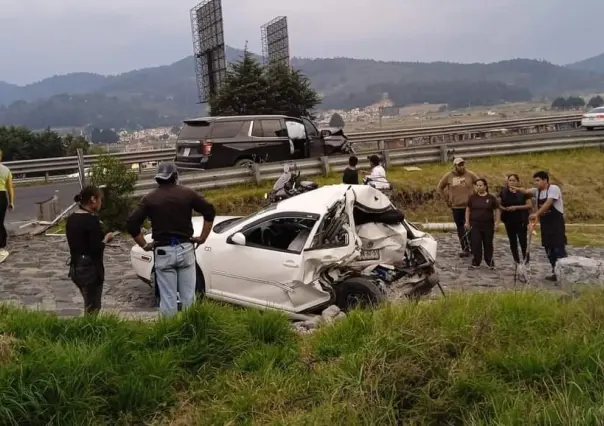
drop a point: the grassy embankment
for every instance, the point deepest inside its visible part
(484, 359)
(580, 173)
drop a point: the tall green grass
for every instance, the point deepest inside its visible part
(484, 359)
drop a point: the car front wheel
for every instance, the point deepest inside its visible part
(358, 292)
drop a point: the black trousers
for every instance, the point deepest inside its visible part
(554, 254)
(88, 276)
(3, 209)
(459, 217)
(517, 234)
(481, 238)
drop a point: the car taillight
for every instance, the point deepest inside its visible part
(600, 116)
(206, 147)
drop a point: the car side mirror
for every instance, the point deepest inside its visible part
(325, 133)
(238, 239)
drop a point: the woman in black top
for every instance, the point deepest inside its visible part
(351, 174)
(482, 219)
(86, 247)
(515, 208)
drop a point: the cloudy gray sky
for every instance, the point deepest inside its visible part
(39, 38)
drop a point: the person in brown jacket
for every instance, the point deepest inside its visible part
(457, 186)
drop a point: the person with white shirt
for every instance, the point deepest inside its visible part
(378, 173)
(550, 213)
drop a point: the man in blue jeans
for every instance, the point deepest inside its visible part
(169, 207)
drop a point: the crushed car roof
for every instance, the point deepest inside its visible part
(321, 199)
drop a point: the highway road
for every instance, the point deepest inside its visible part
(26, 197)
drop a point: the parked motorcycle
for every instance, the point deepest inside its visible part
(289, 185)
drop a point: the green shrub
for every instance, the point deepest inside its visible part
(119, 181)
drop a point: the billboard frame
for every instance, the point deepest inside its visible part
(275, 42)
(209, 54)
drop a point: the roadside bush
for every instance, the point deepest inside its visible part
(119, 183)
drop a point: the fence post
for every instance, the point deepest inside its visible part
(386, 158)
(325, 166)
(81, 168)
(256, 173)
(444, 154)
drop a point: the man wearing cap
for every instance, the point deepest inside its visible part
(169, 207)
(457, 185)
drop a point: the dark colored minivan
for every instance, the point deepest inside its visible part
(215, 142)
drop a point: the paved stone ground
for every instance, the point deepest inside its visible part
(35, 275)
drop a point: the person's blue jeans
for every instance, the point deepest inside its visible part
(175, 273)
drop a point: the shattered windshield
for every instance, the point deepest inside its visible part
(332, 232)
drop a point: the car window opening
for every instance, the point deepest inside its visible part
(288, 234)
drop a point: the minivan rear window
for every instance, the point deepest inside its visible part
(194, 130)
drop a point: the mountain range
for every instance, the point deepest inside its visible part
(166, 94)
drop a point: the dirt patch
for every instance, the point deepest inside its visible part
(7, 346)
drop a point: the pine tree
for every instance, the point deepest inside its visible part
(244, 91)
(251, 88)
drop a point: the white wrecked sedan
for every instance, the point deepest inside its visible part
(339, 244)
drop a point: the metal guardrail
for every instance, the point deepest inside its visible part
(456, 130)
(46, 165)
(401, 157)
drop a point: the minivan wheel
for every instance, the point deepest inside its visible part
(358, 292)
(244, 162)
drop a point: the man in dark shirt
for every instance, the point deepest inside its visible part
(169, 207)
(351, 174)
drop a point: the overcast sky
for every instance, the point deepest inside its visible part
(39, 38)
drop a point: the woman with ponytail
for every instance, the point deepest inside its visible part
(86, 246)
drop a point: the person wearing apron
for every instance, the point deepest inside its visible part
(550, 213)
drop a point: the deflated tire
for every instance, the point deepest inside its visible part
(358, 292)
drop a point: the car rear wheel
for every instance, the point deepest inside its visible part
(358, 292)
(244, 162)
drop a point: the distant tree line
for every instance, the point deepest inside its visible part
(252, 88)
(104, 136)
(576, 102)
(98, 110)
(20, 143)
(457, 94)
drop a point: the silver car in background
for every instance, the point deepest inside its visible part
(593, 118)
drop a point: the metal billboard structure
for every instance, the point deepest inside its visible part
(208, 47)
(275, 42)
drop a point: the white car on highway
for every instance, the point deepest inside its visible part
(87, 173)
(593, 118)
(339, 244)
